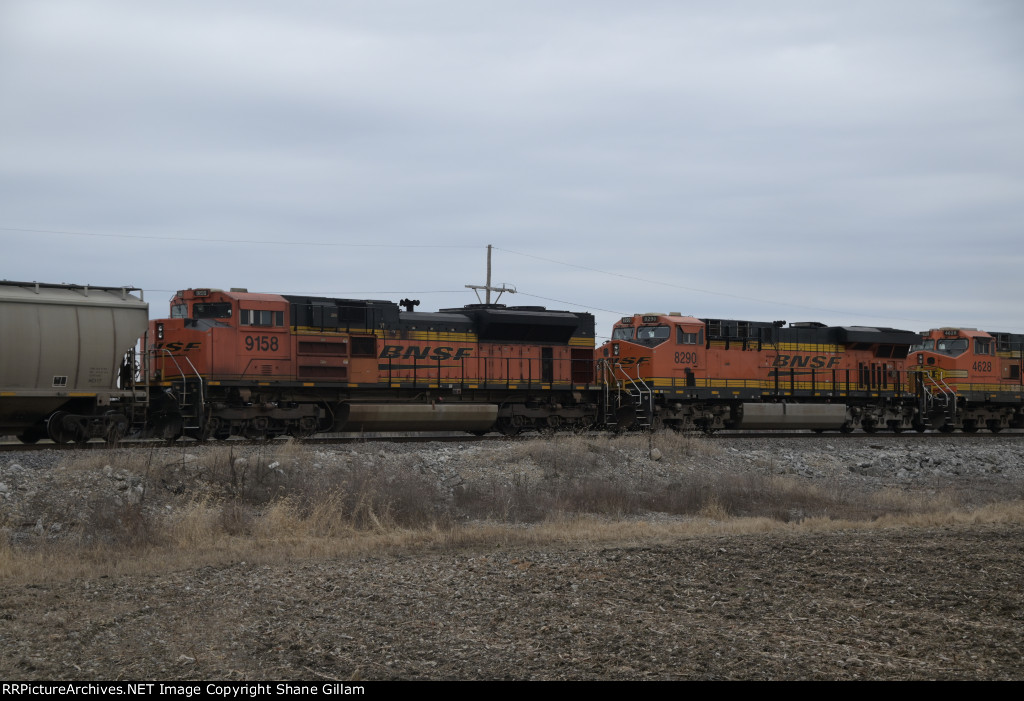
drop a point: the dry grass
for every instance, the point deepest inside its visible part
(279, 504)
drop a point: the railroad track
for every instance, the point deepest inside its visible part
(13, 445)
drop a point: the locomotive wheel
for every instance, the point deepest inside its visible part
(970, 426)
(625, 417)
(706, 428)
(117, 427)
(946, 428)
(920, 427)
(871, 427)
(258, 429)
(994, 426)
(507, 426)
(168, 427)
(847, 427)
(305, 429)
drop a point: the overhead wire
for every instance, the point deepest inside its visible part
(207, 239)
(577, 266)
(696, 289)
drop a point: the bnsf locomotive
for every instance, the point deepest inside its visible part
(258, 365)
(712, 374)
(233, 363)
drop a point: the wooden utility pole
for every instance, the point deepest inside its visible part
(505, 287)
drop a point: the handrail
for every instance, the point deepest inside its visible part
(174, 359)
(930, 375)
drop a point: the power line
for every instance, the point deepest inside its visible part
(207, 239)
(701, 291)
(588, 307)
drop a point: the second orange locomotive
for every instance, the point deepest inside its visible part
(710, 374)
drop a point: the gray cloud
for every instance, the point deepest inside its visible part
(853, 163)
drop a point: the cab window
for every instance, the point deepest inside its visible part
(623, 333)
(260, 317)
(179, 311)
(983, 346)
(687, 337)
(212, 310)
(951, 346)
(652, 335)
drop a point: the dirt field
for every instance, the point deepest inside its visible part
(897, 604)
(900, 603)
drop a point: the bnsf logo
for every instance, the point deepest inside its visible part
(423, 353)
(806, 361)
(178, 346)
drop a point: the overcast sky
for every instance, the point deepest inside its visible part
(852, 163)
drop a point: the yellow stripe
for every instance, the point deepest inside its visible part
(812, 347)
(441, 336)
(81, 394)
(784, 384)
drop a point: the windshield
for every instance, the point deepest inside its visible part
(212, 310)
(623, 334)
(952, 347)
(652, 335)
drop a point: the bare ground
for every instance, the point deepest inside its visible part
(874, 603)
(940, 603)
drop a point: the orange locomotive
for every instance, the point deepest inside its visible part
(261, 365)
(710, 374)
(969, 379)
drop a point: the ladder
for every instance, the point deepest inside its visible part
(189, 392)
(641, 396)
(936, 392)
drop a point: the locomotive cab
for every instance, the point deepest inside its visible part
(230, 335)
(968, 379)
(646, 346)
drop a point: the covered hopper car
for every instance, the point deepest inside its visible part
(66, 365)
